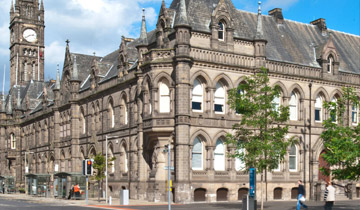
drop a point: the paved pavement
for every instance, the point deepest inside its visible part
(25, 202)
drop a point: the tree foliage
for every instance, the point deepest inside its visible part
(260, 135)
(341, 138)
(99, 166)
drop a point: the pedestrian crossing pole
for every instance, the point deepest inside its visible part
(87, 190)
(169, 175)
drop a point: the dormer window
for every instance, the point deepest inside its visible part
(221, 35)
(330, 64)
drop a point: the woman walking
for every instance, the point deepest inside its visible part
(329, 196)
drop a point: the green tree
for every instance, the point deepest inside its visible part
(99, 166)
(259, 137)
(342, 139)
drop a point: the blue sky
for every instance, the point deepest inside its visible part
(97, 25)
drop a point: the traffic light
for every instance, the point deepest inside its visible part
(87, 168)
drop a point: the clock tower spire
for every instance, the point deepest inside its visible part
(26, 42)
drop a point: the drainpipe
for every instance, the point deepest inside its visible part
(310, 150)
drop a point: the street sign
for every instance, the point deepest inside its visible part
(252, 182)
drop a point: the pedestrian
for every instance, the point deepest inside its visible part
(329, 196)
(3, 187)
(71, 192)
(77, 191)
(301, 196)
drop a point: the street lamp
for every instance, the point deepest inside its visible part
(27, 169)
(106, 165)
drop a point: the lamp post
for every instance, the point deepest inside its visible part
(107, 137)
(25, 169)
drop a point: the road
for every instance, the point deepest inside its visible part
(11, 204)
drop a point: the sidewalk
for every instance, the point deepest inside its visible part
(92, 201)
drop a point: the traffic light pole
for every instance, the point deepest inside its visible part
(87, 190)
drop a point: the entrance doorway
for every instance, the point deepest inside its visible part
(323, 164)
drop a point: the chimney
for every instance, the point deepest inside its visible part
(321, 24)
(277, 14)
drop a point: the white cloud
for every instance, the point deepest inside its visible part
(4, 35)
(54, 53)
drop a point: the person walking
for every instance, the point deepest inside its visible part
(3, 187)
(77, 191)
(301, 196)
(329, 196)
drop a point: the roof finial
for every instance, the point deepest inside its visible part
(12, 6)
(259, 10)
(143, 32)
(259, 27)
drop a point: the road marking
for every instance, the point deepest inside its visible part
(107, 207)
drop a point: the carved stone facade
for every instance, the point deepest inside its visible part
(143, 97)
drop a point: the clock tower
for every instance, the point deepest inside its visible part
(26, 41)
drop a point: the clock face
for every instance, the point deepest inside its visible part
(30, 35)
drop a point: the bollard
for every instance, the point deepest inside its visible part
(110, 200)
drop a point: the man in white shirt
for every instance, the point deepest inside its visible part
(329, 196)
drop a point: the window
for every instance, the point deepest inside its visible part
(219, 99)
(111, 115)
(333, 111)
(197, 96)
(221, 35)
(197, 155)
(330, 64)
(276, 103)
(83, 122)
(354, 114)
(164, 98)
(219, 156)
(278, 167)
(13, 141)
(293, 158)
(112, 163)
(293, 105)
(239, 164)
(124, 159)
(124, 111)
(318, 109)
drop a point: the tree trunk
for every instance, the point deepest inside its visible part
(261, 191)
(266, 186)
(99, 191)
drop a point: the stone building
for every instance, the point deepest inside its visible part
(169, 86)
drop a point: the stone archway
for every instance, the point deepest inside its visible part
(323, 164)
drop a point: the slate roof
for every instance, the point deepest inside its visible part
(291, 41)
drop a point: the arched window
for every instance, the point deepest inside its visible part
(293, 158)
(221, 33)
(318, 109)
(124, 159)
(164, 98)
(197, 155)
(124, 111)
(276, 103)
(332, 111)
(197, 96)
(239, 164)
(354, 114)
(293, 105)
(330, 64)
(111, 155)
(278, 193)
(111, 115)
(219, 99)
(83, 122)
(12, 141)
(219, 156)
